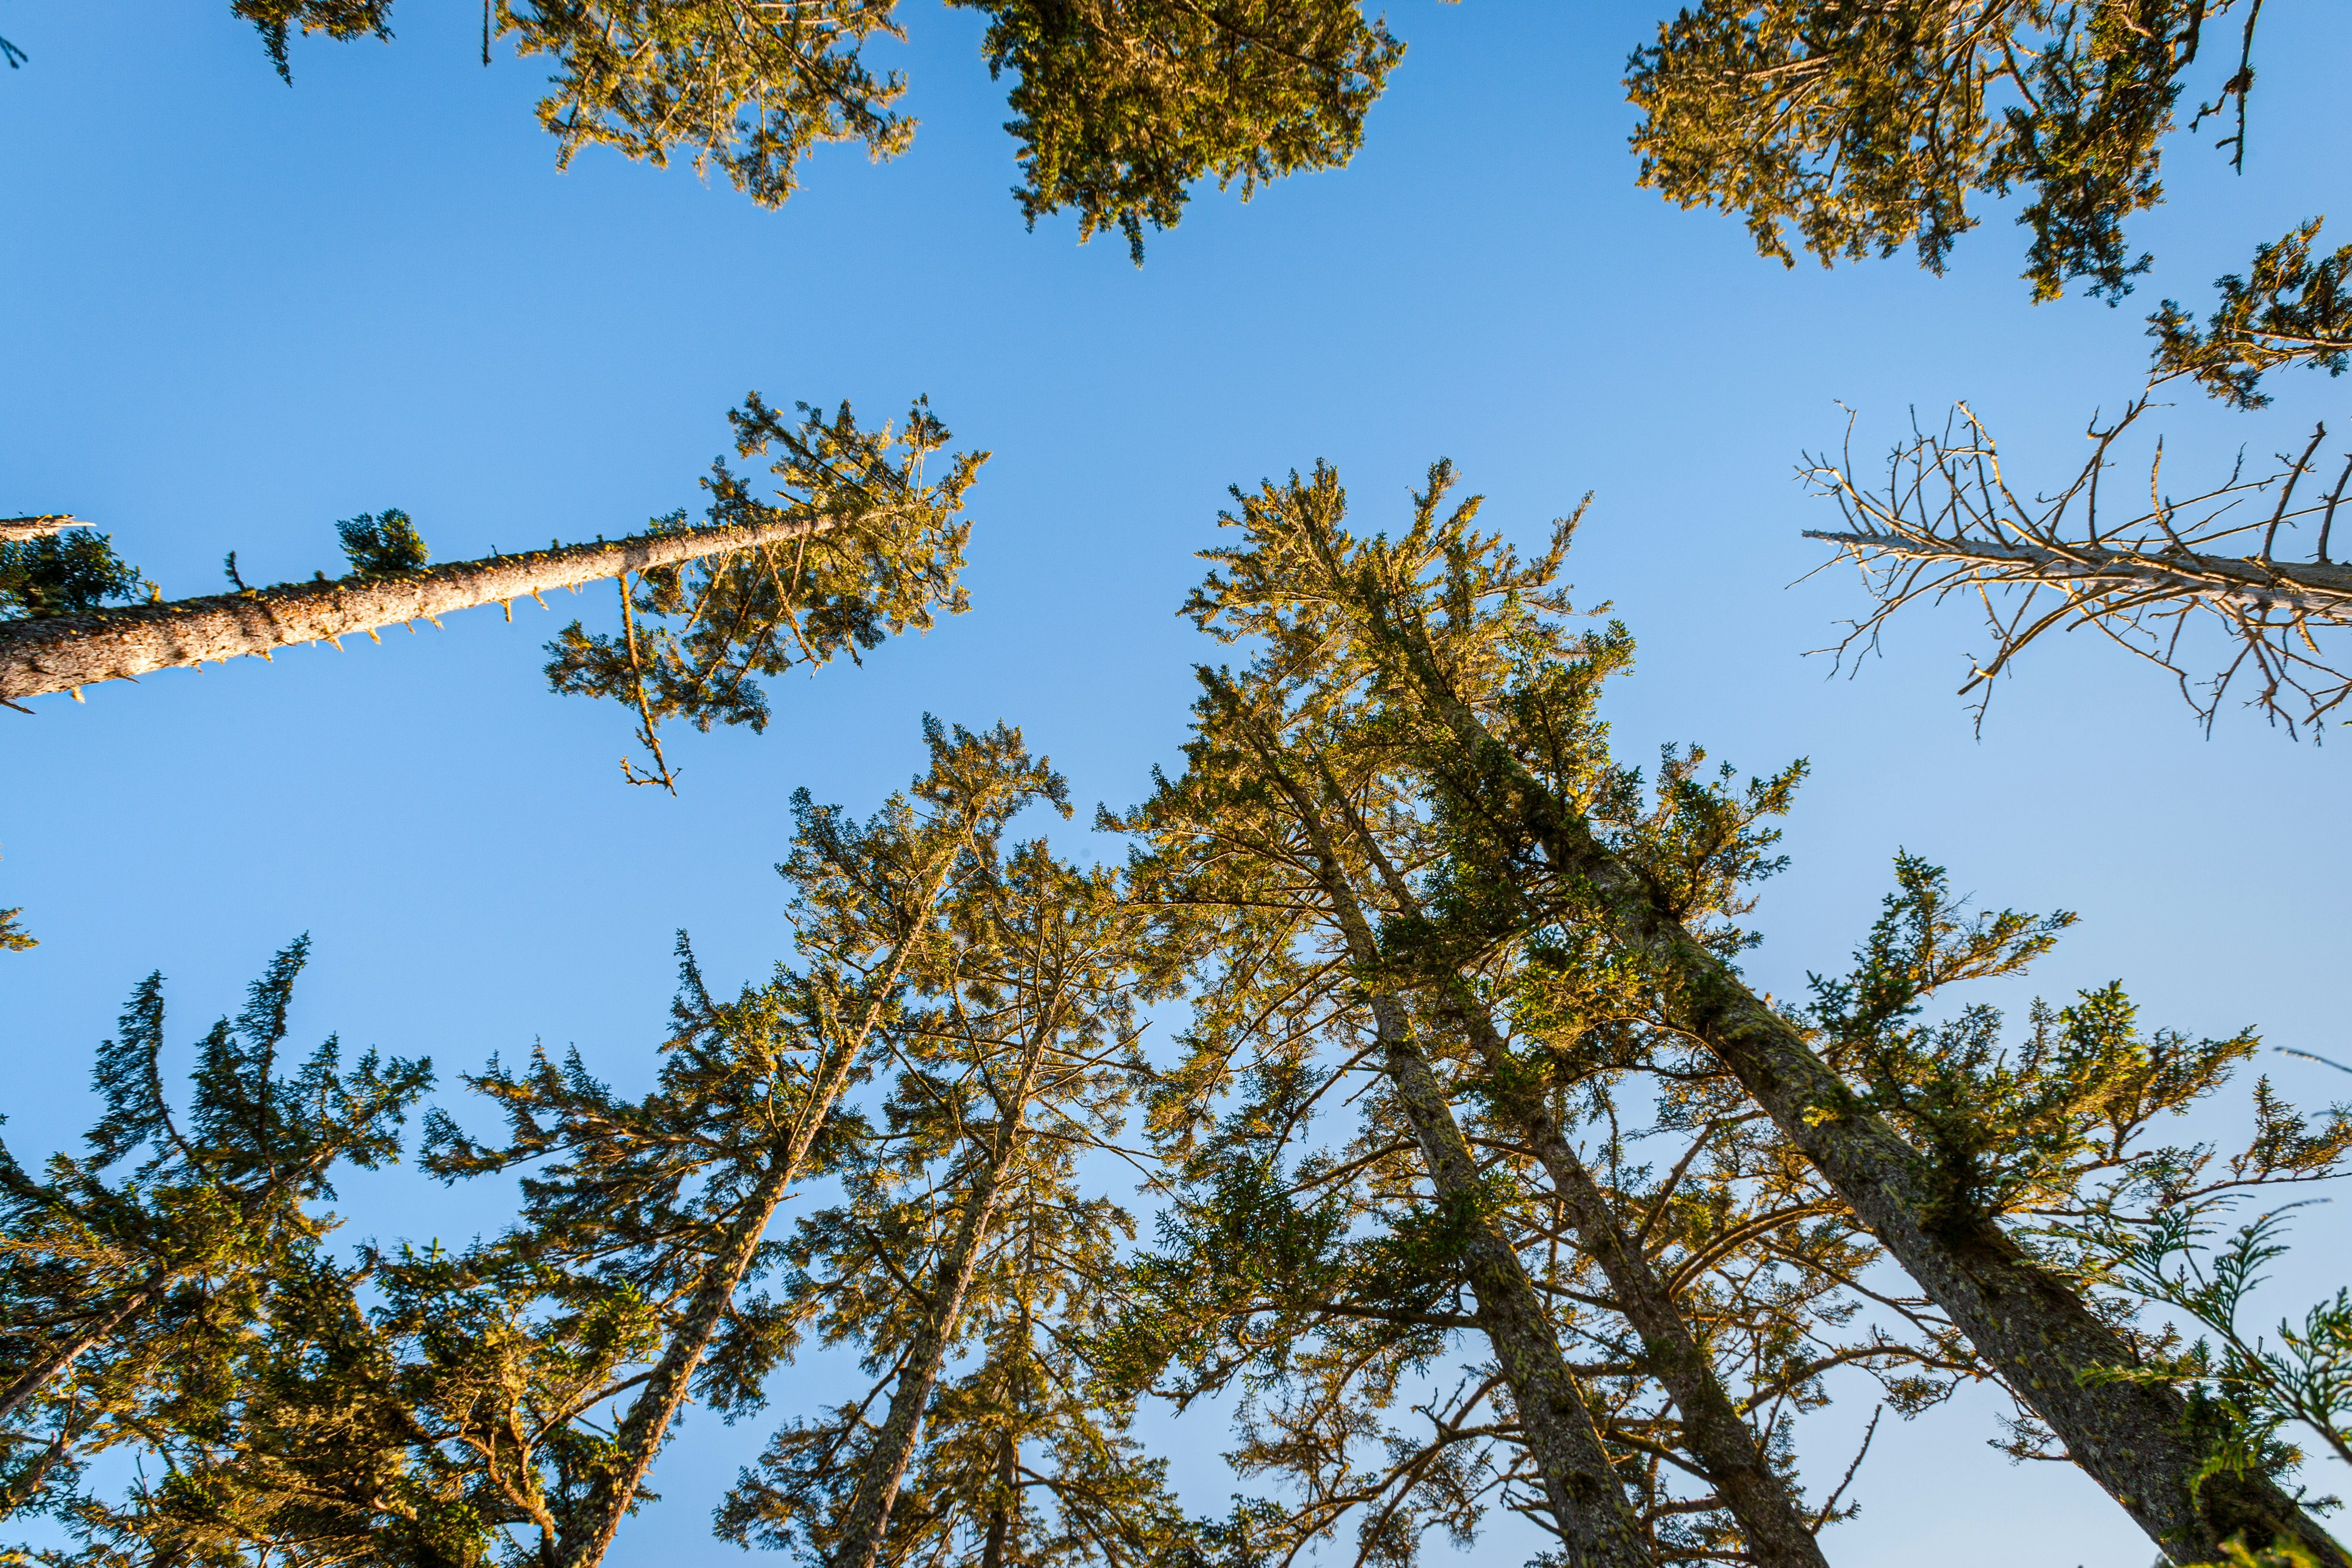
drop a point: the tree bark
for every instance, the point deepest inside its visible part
(29, 1384)
(15, 529)
(62, 653)
(1725, 1447)
(860, 1545)
(640, 1437)
(2033, 1329)
(894, 1447)
(1596, 1527)
(1000, 1509)
(1765, 1507)
(2318, 587)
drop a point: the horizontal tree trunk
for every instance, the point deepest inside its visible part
(61, 652)
(2316, 588)
(13, 529)
(2037, 1332)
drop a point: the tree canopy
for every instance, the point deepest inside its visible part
(1119, 105)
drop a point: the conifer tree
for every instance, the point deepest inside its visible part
(664, 1206)
(523, 1387)
(1488, 719)
(965, 1236)
(860, 543)
(133, 1272)
(1853, 130)
(1293, 743)
(1119, 104)
(1265, 907)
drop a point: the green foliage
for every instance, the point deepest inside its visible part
(13, 938)
(2286, 1554)
(971, 1269)
(1452, 660)
(750, 89)
(2054, 1128)
(277, 20)
(1118, 105)
(1853, 129)
(2288, 310)
(388, 546)
(1306, 1265)
(1121, 104)
(888, 562)
(65, 573)
(134, 1275)
(2252, 1391)
(421, 1406)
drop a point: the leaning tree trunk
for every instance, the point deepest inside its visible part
(645, 1425)
(65, 653)
(29, 1384)
(1761, 1501)
(1763, 1504)
(1726, 1450)
(2035, 1330)
(1597, 1528)
(15, 529)
(893, 1448)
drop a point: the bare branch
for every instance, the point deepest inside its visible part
(1944, 521)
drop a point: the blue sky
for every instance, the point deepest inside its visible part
(236, 312)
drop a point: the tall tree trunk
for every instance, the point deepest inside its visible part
(27, 1384)
(1765, 1507)
(60, 653)
(1596, 1527)
(640, 1437)
(2134, 1439)
(1725, 1447)
(999, 1508)
(894, 1447)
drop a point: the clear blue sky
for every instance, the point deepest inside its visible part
(236, 312)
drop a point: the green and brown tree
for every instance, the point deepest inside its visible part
(137, 1272)
(521, 1388)
(1848, 129)
(1263, 910)
(1293, 815)
(972, 1269)
(861, 540)
(1119, 105)
(1486, 717)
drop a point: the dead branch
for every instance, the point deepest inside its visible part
(1945, 520)
(13, 530)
